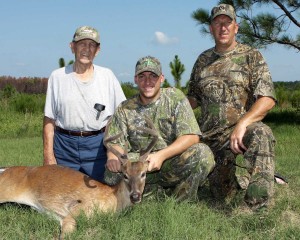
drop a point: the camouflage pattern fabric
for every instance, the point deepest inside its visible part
(256, 171)
(86, 32)
(223, 9)
(185, 173)
(225, 87)
(173, 117)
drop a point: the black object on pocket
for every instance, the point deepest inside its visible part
(99, 107)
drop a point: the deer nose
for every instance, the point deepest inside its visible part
(135, 197)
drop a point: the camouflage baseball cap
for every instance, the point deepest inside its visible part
(86, 32)
(148, 63)
(223, 9)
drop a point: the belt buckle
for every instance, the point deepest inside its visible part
(81, 133)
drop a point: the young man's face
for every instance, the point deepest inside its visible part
(149, 86)
(223, 29)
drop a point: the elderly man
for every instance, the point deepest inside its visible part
(80, 99)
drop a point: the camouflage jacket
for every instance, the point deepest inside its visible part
(226, 86)
(171, 114)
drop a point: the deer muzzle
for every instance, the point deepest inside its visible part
(135, 197)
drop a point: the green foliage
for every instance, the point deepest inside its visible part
(29, 103)
(262, 29)
(166, 84)
(129, 90)
(283, 116)
(288, 94)
(8, 91)
(177, 69)
(61, 62)
(165, 219)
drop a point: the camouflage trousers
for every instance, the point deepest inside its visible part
(254, 174)
(181, 175)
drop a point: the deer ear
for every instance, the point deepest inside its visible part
(143, 157)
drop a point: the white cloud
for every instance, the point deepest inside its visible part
(163, 39)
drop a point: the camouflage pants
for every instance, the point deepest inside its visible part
(181, 175)
(258, 178)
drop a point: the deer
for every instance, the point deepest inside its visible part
(64, 193)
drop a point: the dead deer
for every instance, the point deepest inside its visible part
(65, 193)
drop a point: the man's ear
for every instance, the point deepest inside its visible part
(72, 46)
(162, 78)
(98, 50)
(236, 28)
(210, 29)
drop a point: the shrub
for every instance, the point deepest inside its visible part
(129, 90)
(8, 91)
(29, 103)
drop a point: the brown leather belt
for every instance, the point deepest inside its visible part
(80, 133)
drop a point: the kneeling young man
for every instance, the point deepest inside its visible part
(178, 162)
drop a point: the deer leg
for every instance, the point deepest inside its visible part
(68, 225)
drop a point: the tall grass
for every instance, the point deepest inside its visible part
(159, 218)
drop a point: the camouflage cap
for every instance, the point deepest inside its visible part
(86, 32)
(148, 63)
(223, 9)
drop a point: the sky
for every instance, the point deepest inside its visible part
(36, 33)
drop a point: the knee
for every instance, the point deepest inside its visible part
(201, 155)
(260, 136)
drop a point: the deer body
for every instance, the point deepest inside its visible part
(65, 193)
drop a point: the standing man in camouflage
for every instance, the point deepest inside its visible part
(178, 162)
(231, 83)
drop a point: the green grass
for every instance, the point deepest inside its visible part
(162, 219)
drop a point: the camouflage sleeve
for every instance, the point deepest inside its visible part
(192, 85)
(117, 125)
(261, 77)
(186, 122)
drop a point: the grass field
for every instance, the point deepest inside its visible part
(161, 219)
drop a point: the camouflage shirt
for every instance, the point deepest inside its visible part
(226, 86)
(171, 114)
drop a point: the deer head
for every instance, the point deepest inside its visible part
(134, 172)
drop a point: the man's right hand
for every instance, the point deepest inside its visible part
(113, 165)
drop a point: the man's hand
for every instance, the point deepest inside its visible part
(236, 139)
(113, 165)
(155, 162)
(256, 113)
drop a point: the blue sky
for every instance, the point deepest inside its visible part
(36, 33)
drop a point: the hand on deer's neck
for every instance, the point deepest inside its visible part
(84, 72)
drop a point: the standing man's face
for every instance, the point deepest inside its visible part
(85, 50)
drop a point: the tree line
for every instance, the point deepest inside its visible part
(287, 93)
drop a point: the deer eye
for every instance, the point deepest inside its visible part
(143, 174)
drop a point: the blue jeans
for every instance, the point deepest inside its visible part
(84, 154)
